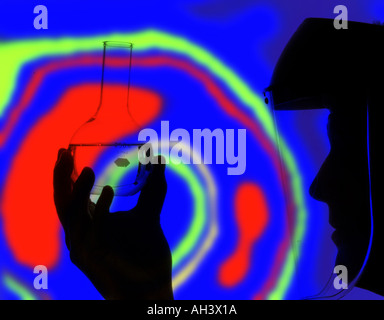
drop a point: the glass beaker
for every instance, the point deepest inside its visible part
(105, 142)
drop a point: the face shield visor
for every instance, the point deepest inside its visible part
(323, 134)
(324, 170)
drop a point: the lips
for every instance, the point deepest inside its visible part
(336, 220)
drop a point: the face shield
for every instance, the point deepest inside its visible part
(331, 199)
(324, 130)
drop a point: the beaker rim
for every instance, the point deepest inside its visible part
(120, 44)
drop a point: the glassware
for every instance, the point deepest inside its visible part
(103, 142)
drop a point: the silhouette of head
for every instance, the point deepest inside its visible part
(341, 70)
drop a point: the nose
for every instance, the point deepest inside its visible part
(314, 190)
(321, 186)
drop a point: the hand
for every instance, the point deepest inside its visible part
(124, 254)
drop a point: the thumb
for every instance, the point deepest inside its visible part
(153, 194)
(104, 203)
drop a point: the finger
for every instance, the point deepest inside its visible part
(104, 202)
(82, 189)
(62, 182)
(153, 194)
(60, 152)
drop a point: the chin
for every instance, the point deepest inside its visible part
(352, 255)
